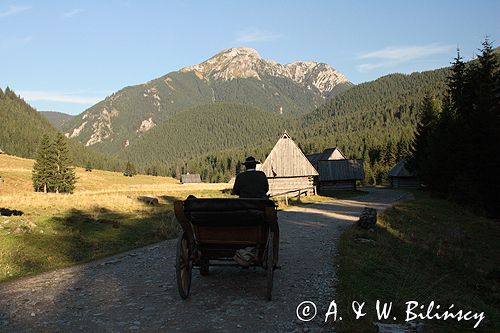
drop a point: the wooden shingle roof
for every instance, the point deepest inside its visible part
(400, 170)
(191, 178)
(331, 170)
(327, 154)
(286, 159)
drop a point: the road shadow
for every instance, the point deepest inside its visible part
(137, 289)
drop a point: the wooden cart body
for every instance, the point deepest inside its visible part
(214, 229)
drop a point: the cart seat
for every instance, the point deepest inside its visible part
(217, 212)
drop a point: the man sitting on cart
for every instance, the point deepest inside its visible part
(250, 184)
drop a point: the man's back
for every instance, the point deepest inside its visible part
(251, 184)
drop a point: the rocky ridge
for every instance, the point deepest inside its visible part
(247, 63)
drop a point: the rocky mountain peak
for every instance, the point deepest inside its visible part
(244, 62)
(229, 64)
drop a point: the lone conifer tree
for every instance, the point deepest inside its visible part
(64, 179)
(43, 169)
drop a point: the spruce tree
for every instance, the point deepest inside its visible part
(43, 169)
(428, 117)
(64, 179)
(484, 120)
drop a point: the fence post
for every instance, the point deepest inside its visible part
(286, 199)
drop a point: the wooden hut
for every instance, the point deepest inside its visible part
(190, 178)
(327, 154)
(1, 151)
(339, 174)
(288, 169)
(401, 177)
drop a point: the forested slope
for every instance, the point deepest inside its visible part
(21, 128)
(213, 127)
(375, 121)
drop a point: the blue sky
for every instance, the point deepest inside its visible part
(67, 55)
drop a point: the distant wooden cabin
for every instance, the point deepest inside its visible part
(327, 154)
(401, 177)
(191, 178)
(339, 174)
(1, 151)
(288, 169)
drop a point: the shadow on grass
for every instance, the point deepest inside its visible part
(115, 291)
(84, 235)
(424, 251)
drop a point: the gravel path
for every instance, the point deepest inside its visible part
(136, 291)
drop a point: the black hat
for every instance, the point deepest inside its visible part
(251, 160)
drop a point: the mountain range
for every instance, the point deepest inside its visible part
(207, 117)
(236, 75)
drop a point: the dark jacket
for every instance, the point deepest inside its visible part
(251, 184)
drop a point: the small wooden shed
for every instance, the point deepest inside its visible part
(401, 177)
(191, 178)
(1, 151)
(339, 174)
(288, 169)
(327, 154)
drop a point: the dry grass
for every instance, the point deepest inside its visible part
(106, 189)
(102, 217)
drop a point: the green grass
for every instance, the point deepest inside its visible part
(427, 249)
(35, 243)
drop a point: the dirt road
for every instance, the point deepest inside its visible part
(136, 291)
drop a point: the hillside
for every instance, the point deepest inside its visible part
(57, 119)
(374, 121)
(237, 75)
(372, 113)
(205, 128)
(22, 127)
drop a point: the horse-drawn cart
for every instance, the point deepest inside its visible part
(214, 229)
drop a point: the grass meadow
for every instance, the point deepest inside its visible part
(101, 218)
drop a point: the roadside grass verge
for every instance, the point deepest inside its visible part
(424, 250)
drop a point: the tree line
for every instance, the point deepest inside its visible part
(456, 150)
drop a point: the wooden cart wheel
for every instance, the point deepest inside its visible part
(270, 267)
(204, 266)
(183, 266)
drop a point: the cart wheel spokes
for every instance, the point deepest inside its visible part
(270, 267)
(183, 266)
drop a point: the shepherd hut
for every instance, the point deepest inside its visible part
(190, 178)
(288, 170)
(339, 174)
(327, 154)
(400, 176)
